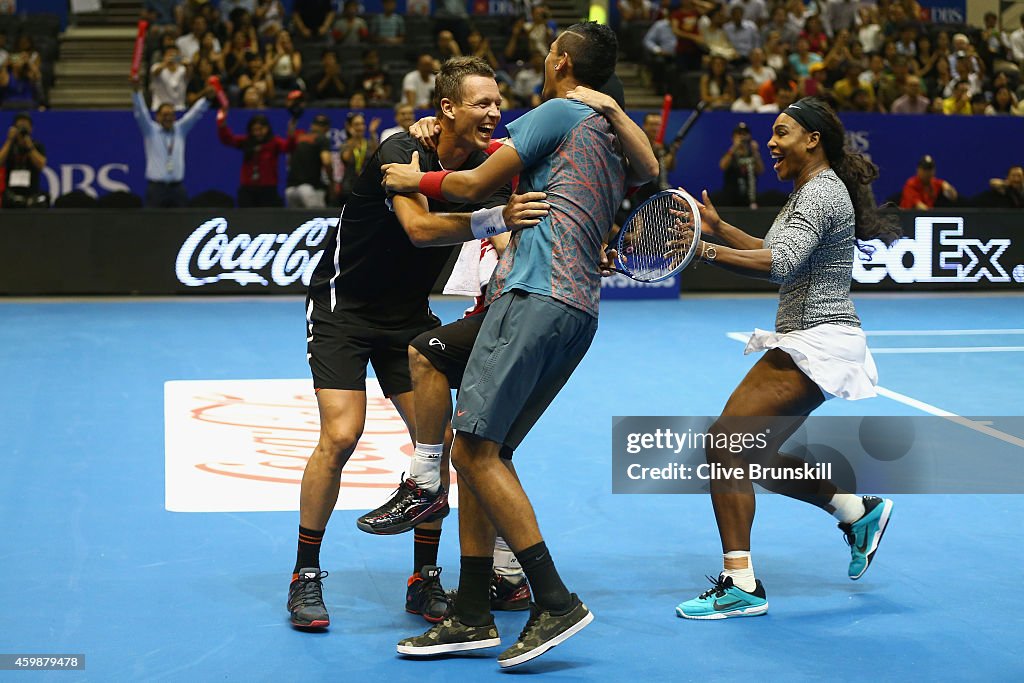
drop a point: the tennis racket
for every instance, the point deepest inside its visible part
(659, 238)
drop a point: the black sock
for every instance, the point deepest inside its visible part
(309, 549)
(548, 590)
(473, 602)
(424, 548)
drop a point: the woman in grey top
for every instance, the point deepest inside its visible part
(817, 350)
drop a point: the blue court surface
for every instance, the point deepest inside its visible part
(94, 563)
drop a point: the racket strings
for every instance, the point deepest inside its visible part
(658, 239)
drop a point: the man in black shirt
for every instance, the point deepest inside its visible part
(368, 298)
(308, 166)
(24, 159)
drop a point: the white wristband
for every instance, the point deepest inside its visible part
(488, 222)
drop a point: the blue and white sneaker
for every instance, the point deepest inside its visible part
(864, 535)
(724, 600)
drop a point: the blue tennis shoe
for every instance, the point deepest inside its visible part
(724, 600)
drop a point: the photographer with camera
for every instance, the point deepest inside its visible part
(741, 164)
(23, 159)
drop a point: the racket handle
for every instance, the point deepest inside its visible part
(140, 46)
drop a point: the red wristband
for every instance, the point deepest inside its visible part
(430, 184)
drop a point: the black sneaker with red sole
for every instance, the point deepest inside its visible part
(425, 595)
(306, 600)
(408, 507)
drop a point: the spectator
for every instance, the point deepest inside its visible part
(199, 83)
(479, 46)
(814, 32)
(748, 101)
(893, 85)
(357, 101)
(802, 59)
(716, 40)
(923, 190)
(844, 89)
(759, 69)
(517, 49)
(257, 75)
(5, 56)
(528, 81)
(666, 157)
(261, 150)
(253, 98)
(870, 32)
(685, 22)
(446, 48)
(373, 81)
(387, 28)
(742, 33)
(1005, 102)
(1015, 44)
(357, 149)
(741, 164)
(451, 15)
(329, 85)
(942, 79)
(753, 10)
(21, 85)
(785, 95)
(815, 84)
(23, 160)
(243, 23)
(404, 118)
(168, 81)
(958, 102)
(162, 14)
(268, 17)
(839, 52)
(780, 23)
(418, 84)
(660, 50)
(25, 51)
(540, 29)
(840, 15)
(350, 28)
(876, 71)
(717, 89)
(310, 168)
(1009, 191)
(962, 50)
(285, 63)
(634, 11)
(924, 62)
(776, 52)
(906, 44)
(980, 106)
(189, 43)
(234, 58)
(163, 141)
(913, 100)
(963, 74)
(313, 19)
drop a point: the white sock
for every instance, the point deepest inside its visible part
(426, 466)
(505, 562)
(848, 507)
(741, 578)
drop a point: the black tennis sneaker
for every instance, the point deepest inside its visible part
(425, 596)
(306, 599)
(409, 506)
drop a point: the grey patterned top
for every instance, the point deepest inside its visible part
(812, 244)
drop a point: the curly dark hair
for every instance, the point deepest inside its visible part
(857, 174)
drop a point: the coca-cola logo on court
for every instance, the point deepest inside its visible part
(211, 254)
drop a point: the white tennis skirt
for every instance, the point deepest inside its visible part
(835, 357)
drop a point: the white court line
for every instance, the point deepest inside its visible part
(938, 333)
(744, 336)
(982, 427)
(947, 349)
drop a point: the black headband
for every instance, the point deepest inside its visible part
(810, 118)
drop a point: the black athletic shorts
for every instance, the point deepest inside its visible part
(448, 347)
(340, 345)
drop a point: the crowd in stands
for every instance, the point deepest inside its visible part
(331, 52)
(759, 55)
(28, 51)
